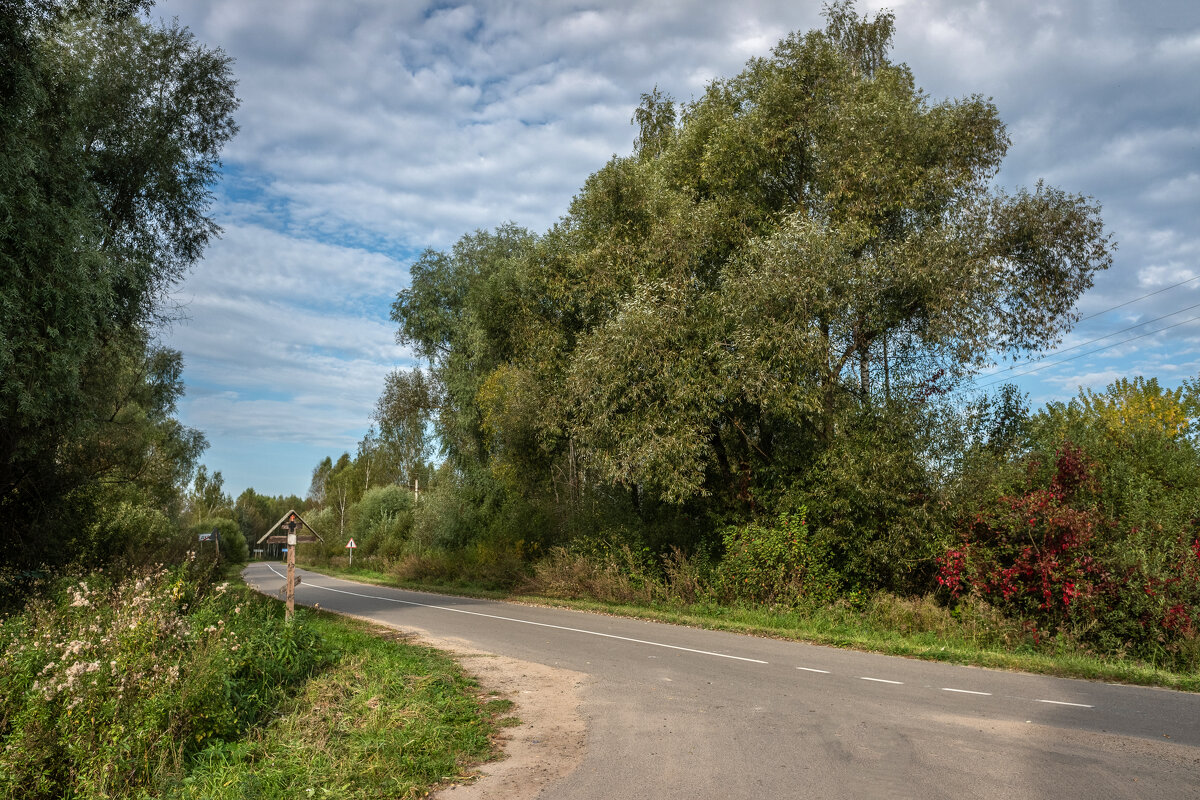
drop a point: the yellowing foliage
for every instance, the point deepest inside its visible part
(1140, 407)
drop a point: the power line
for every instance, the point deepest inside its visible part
(1136, 299)
(1091, 341)
(1090, 352)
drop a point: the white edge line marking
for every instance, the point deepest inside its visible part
(966, 691)
(524, 621)
(1061, 703)
(810, 669)
(880, 680)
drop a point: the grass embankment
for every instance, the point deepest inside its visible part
(171, 685)
(388, 719)
(914, 628)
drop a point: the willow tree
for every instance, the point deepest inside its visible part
(823, 236)
(761, 297)
(110, 133)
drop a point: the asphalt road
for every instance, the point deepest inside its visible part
(674, 712)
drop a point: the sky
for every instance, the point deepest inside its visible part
(374, 129)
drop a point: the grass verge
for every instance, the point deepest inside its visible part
(175, 683)
(886, 624)
(387, 718)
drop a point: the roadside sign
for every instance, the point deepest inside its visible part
(350, 545)
(206, 537)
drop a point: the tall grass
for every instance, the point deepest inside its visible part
(109, 689)
(388, 719)
(172, 683)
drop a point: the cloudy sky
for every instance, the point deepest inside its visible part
(372, 129)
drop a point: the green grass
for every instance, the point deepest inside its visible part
(386, 719)
(885, 624)
(173, 683)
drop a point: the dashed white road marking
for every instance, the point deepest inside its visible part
(523, 621)
(638, 641)
(1062, 703)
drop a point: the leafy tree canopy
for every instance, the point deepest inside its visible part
(110, 132)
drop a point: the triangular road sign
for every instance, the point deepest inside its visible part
(350, 545)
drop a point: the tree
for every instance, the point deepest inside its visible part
(852, 249)
(317, 490)
(343, 488)
(110, 131)
(802, 260)
(208, 498)
(404, 414)
(464, 312)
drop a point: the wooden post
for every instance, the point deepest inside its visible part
(291, 571)
(288, 524)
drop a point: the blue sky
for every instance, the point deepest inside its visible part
(372, 129)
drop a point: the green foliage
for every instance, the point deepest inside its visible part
(110, 689)
(770, 304)
(404, 415)
(780, 564)
(234, 548)
(110, 132)
(872, 496)
(382, 521)
(751, 310)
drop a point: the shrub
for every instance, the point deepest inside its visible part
(1050, 558)
(382, 521)
(872, 495)
(1033, 555)
(609, 574)
(778, 564)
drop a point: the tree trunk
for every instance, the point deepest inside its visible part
(887, 383)
(829, 378)
(722, 458)
(864, 360)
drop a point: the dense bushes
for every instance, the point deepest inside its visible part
(382, 521)
(109, 689)
(1103, 550)
(1035, 554)
(779, 564)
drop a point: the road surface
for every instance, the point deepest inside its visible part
(675, 712)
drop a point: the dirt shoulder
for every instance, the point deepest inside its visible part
(545, 747)
(548, 744)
